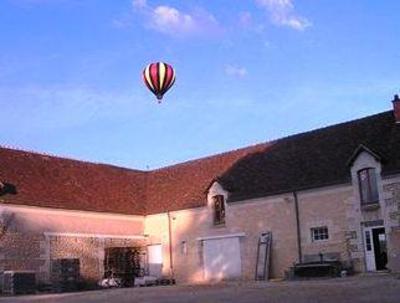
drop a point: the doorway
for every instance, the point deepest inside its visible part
(155, 260)
(123, 263)
(375, 248)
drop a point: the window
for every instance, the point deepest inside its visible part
(219, 210)
(368, 186)
(319, 233)
(368, 240)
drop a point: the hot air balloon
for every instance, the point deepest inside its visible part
(159, 77)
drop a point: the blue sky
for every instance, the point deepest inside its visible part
(248, 71)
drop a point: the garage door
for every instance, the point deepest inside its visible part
(222, 258)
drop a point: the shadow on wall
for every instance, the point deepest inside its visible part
(6, 221)
(188, 251)
(19, 251)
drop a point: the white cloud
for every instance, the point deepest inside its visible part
(169, 20)
(174, 22)
(235, 71)
(282, 13)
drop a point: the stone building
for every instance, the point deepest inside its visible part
(333, 191)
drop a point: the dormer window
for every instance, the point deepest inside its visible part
(368, 186)
(219, 209)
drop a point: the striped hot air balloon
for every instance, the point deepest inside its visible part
(159, 77)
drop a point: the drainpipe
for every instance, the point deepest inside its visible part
(171, 266)
(296, 204)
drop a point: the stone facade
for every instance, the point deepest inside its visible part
(89, 250)
(22, 251)
(323, 207)
(392, 204)
(336, 207)
(326, 207)
(38, 235)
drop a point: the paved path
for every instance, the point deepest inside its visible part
(375, 288)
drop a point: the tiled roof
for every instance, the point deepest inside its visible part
(306, 160)
(49, 181)
(314, 159)
(184, 185)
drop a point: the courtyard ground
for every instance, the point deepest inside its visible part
(366, 288)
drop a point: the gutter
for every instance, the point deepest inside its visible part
(296, 205)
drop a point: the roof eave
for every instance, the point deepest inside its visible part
(240, 198)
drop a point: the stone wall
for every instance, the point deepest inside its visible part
(37, 236)
(89, 251)
(392, 203)
(21, 251)
(27, 246)
(325, 207)
(36, 252)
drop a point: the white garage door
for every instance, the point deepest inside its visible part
(222, 258)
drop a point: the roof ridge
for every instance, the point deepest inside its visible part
(328, 126)
(269, 141)
(62, 157)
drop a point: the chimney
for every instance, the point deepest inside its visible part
(396, 108)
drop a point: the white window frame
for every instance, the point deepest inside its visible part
(322, 235)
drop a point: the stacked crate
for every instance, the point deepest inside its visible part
(19, 282)
(66, 274)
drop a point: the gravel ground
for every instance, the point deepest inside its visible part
(367, 288)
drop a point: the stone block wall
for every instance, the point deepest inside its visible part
(89, 250)
(392, 204)
(322, 207)
(326, 207)
(21, 251)
(37, 236)
(250, 218)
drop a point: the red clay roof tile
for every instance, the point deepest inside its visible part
(49, 181)
(55, 182)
